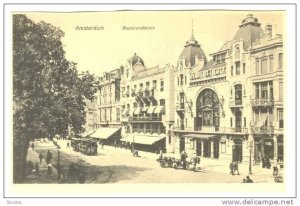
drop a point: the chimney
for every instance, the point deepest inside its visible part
(268, 30)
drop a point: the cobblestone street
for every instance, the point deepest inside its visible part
(116, 165)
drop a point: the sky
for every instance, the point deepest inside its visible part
(109, 47)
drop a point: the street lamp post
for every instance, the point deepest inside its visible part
(58, 162)
(250, 158)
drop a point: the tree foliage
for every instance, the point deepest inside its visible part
(48, 92)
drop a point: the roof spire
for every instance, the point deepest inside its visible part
(192, 37)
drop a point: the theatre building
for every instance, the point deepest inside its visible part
(222, 105)
(146, 96)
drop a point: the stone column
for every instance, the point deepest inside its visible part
(212, 149)
(275, 149)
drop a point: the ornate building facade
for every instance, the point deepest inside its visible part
(225, 106)
(146, 96)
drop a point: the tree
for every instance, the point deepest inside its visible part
(48, 93)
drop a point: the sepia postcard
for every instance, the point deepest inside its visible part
(148, 102)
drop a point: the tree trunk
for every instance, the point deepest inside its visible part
(19, 160)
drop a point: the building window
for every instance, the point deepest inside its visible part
(170, 139)
(223, 147)
(264, 90)
(280, 118)
(231, 70)
(271, 62)
(244, 68)
(184, 79)
(280, 91)
(271, 89)
(238, 94)
(161, 86)
(237, 68)
(230, 121)
(264, 66)
(280, 61)
(181, 79)
(162, 102)
(178, 81)
(118, 114)
(256, 91)
(245, 122)
(257, 66)
(154, 84)
(127, 73)
(135, 105)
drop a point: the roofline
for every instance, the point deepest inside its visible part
(219, 52)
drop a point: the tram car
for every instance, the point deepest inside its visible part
(85, 146)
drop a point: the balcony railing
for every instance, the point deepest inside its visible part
(213, 129)
(262, 130)
(148, 131)
(180, 107)
(144, 118)
(236, 103)
(264, 102)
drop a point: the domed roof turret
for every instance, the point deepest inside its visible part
(190, 51)
(135, 60)
(249, 31)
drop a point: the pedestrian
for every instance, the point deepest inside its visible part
(268, 163)
(231, 167)
(49, 169)
(102, 144)
(37, 168)
(248, 180)
(49, 157)
(115, 143)
(32, 146)
(68, 145)
(263, 162)
(160, 154)
(236, 168)
(275, 170)
(41, 157)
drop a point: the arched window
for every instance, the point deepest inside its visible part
(207, 109)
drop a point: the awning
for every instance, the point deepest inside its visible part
(159, 110)
(262, 120)
(151, 109)
(87, 133)
(137, 110)
(200, 136)
(144, 109)
(105, 132)
(125, 112)
(142, 139)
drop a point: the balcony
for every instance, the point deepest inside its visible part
(148, 131)
(262, 130)
(236, 103)
(144, 119)
(180, 107)
(262, 102)
(213, 129)
(181, 127)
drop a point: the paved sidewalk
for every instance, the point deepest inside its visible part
(43, 175)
